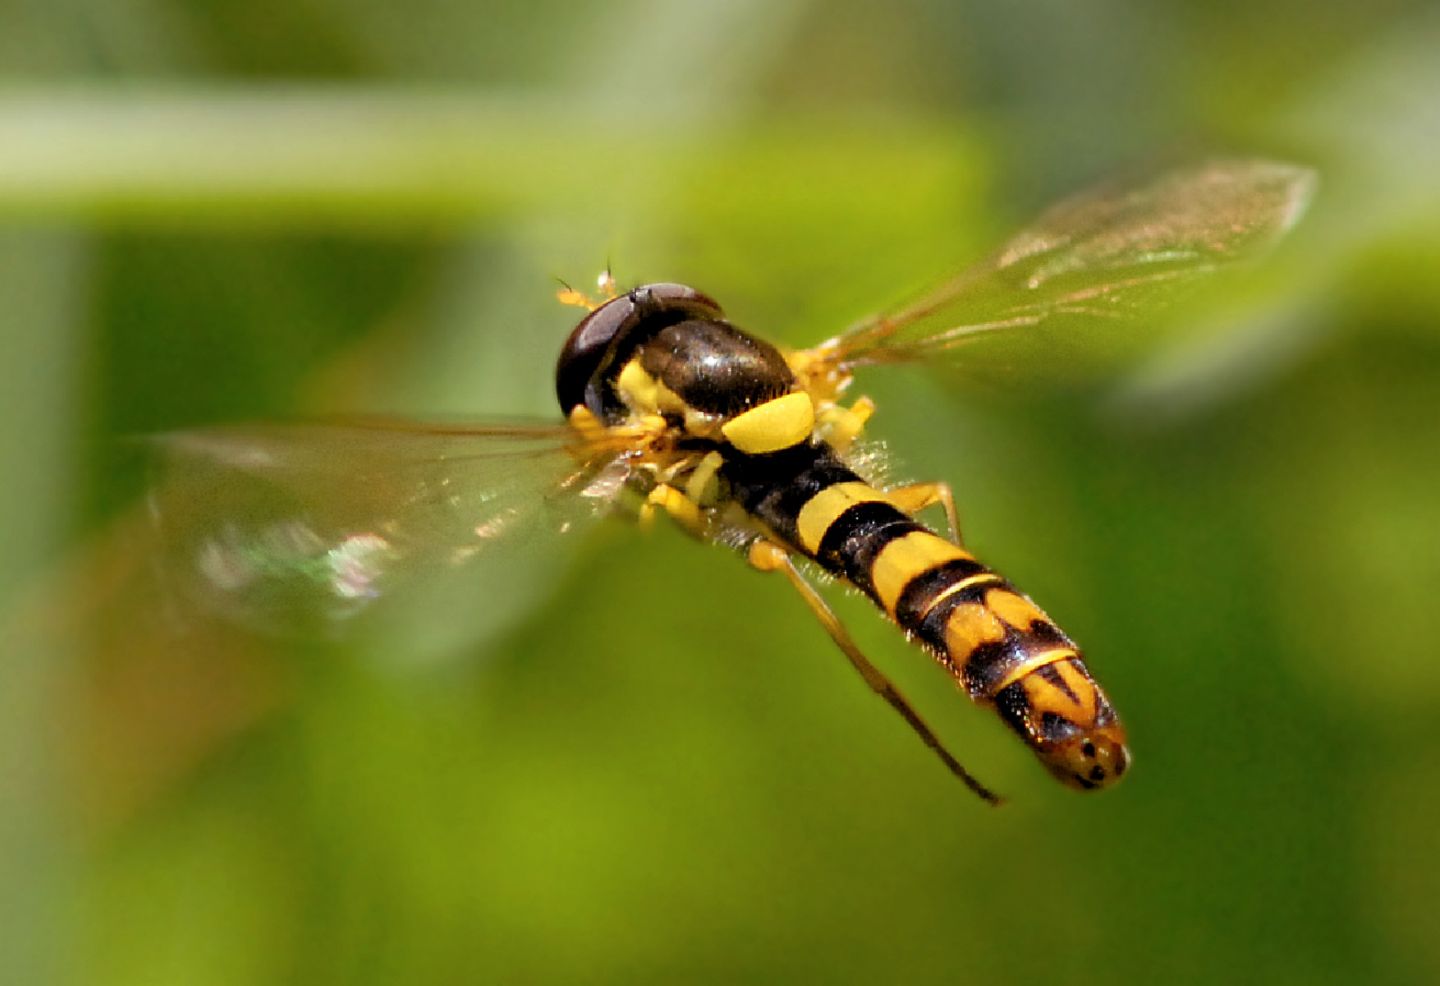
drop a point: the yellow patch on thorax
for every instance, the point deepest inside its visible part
(644, 394)
(777, 424)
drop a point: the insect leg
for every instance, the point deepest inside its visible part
(914, 497)
(840, 426)
(769, 557)
(683, 510)
(686, 489)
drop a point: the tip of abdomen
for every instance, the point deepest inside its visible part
(1061, 713)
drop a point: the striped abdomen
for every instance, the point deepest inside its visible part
(1000, 647)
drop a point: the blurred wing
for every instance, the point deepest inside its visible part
(301, 529)
(1109, 253)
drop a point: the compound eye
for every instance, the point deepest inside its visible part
(585, 349)
(668, 295)
(594, 339)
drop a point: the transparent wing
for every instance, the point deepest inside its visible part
(1109, 253)
(301, 529)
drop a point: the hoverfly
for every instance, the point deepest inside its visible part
(671, 410)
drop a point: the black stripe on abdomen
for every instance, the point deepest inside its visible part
(859, 534)
(776, 487)
(922, 592)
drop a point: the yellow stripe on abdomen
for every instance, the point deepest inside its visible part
(905, 558)
(825, 507)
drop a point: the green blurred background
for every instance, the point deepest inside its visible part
(651, 766)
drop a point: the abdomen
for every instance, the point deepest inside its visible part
(997, 644)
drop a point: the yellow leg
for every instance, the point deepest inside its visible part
(917, 496)
(683, 510)
(840, 426)
(770, 557)
(703, 486)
